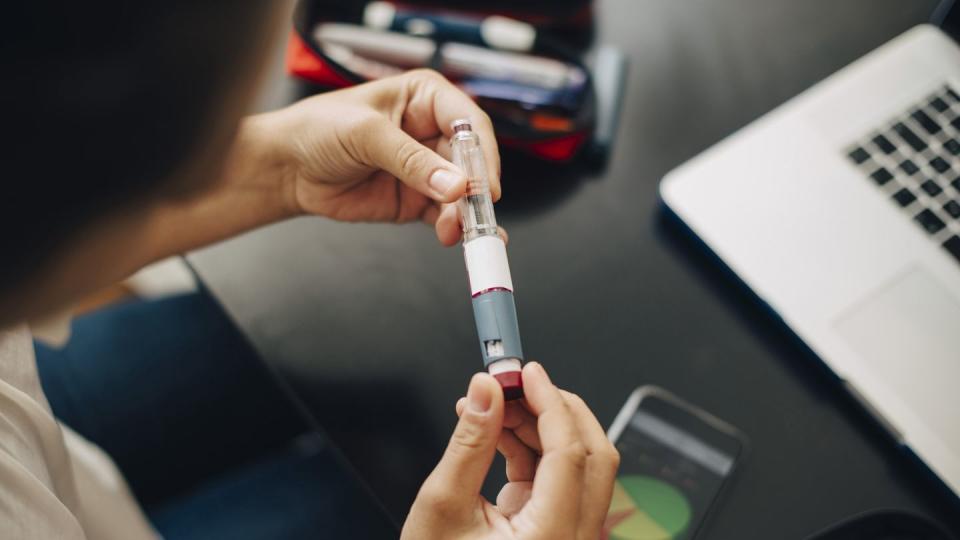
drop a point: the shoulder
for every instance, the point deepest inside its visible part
(37, 496)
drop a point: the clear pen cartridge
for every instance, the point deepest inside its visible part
(485, 255)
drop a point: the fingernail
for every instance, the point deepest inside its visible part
(479, 396)
(441, 181)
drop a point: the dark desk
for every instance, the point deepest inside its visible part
(371, 324)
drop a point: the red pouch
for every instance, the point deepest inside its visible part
(561, 21)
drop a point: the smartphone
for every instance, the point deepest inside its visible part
(675, 460)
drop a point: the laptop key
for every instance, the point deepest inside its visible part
(952, 245)
(929, 221)
(859, 155)
(904, 197)
(881, 176)
(952, 146)
(952, 94)
(909, 137)
(956, 183)
(932, 188)
(955, 122)
(939, 104)
(926, 122)
(884, 143)
(952, 207)
(939, 164)
(909, 167)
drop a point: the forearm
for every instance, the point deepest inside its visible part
(255, 188)
(252, 189)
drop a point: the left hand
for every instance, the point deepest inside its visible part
(376, 152)
(560, 468)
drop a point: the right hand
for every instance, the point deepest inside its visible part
(560, 468)
(379, 151)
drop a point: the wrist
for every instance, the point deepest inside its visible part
(261, 162)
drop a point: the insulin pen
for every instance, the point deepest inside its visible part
(485, 255)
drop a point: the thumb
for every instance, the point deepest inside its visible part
(417, 166)
(464, 465)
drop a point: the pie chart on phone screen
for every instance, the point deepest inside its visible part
(644, 508)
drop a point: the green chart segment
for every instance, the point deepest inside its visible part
(644, 508)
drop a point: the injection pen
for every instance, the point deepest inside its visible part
(485, 255)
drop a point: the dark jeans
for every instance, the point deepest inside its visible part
(209, 443)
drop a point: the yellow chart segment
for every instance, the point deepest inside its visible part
(645, 508)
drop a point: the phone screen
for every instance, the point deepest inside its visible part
(673, 464)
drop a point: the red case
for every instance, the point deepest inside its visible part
(307, 62)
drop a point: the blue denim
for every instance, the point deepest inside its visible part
(210, 443)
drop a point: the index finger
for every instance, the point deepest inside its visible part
(443, 103)
(557, 487)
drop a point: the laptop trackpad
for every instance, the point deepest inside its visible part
(909, 332)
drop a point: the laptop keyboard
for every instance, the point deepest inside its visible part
(915, 161)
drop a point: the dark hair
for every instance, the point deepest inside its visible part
(101, 103)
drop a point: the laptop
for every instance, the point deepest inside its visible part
(841, 211)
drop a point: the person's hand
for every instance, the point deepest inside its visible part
(379, 151)
(560, 468)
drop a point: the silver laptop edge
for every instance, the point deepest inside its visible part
(872, 293)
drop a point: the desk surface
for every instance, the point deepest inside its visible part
(372, 326)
